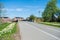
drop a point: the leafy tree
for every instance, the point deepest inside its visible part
(50, 10)
(1, 7)
(58, 16)
(32, 18)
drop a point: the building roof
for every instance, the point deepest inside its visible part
(19, 17)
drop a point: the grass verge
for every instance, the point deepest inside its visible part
(4, 25)
(55, 24)
(8, 35)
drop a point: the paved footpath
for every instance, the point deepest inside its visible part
(34, 31)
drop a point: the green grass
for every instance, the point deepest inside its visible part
(55, 24)
(2, 26)
(7, 36)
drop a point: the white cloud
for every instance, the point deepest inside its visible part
(16, 9)
(32, 6)
(19, 9)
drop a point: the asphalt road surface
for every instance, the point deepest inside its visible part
(35, 31)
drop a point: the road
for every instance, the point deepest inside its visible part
(34, 31)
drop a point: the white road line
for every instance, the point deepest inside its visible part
(53, 29)
(50, 28)
(47, 33)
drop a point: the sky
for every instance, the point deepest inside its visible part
(24, 8)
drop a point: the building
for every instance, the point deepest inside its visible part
(18, 18)
(38, 20)
(6, 19)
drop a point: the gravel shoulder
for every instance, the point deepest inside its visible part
(17, 36)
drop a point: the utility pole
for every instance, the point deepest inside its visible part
(39, 13)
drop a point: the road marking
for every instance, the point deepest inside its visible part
(49, 28)
(53, 29)
(47, 33)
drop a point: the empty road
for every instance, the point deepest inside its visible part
(34, 31)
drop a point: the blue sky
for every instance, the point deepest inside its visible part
(24, 8)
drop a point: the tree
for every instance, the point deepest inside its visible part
(1, 7)
(50, 10)
(58, 15)
(32, 18)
